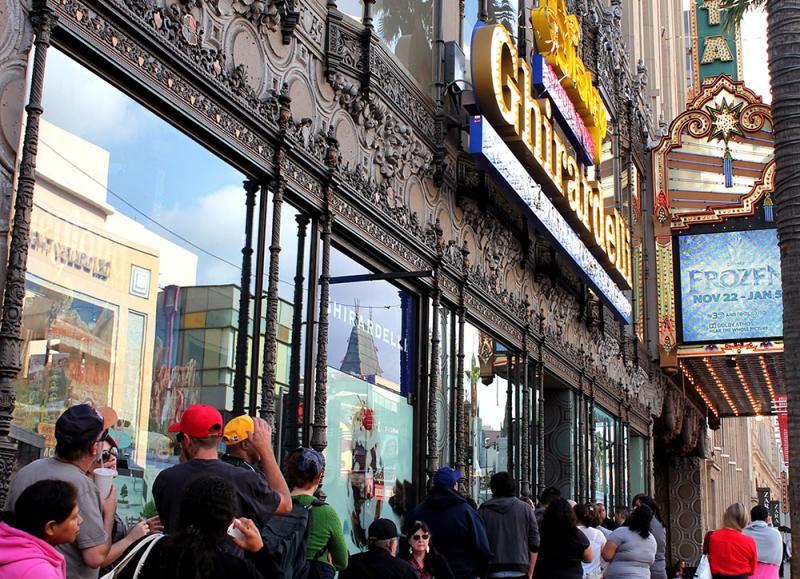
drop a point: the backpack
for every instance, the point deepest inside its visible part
(286, 540)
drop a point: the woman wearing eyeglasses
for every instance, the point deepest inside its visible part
(419, 552)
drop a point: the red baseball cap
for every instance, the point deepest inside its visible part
(199, 421)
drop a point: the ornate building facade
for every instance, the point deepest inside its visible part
(401, 310)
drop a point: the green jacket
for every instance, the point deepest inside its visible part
(325, 535)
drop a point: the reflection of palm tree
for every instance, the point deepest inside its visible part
(503, 12)
(395, 19)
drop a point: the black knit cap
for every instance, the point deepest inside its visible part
(79, 423)
(382, 530)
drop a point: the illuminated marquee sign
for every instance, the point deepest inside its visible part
(502, 82)
(546, 82)
(558, 39)
(497, 158)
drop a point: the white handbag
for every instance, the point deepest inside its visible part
(147, 544)
(703, 569)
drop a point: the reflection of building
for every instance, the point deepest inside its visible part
(91, 295)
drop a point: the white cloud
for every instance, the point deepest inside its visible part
(214, 222)
(754, 53)
(80, 102)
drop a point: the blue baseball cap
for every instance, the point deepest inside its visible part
(446, 477)
(79, 423)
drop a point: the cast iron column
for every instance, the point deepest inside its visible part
(11, 341)
(461, 443)
(319, 433)
(592, 457)
(258, 298)
(271, 337)
(511, 366)
(540, 426)
(526, 418)
(433, 383)
(240, 378)
(291, 440)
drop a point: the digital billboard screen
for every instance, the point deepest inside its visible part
(730, 286)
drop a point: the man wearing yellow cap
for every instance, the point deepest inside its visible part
(239, 449)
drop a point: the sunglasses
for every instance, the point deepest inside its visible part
(422, 537)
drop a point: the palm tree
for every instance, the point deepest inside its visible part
(783, 38)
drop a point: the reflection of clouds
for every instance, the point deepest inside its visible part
(73, 94)
(214, 222)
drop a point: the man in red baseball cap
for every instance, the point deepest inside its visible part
(199, 433)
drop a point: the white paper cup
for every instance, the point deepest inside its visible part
(103, 479)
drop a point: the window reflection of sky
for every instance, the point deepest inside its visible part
(153, 166)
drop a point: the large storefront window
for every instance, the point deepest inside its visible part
(638, 468)
(485, 395)
(370, 419)
(605, 451)
(132, 290)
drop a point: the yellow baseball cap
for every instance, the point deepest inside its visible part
(238, 429)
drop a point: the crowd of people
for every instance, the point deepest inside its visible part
(239, 516)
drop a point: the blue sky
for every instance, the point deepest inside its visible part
(154, 166)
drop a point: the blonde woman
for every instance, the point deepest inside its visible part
(731, 553)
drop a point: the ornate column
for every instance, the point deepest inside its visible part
(461, 443)
(291, 440)
(511, 367)
(319, 433)
(593, 488)
(580, 465)
(267, 411)
(240, 377)
(525, 486)
(255, 349)
(540, 414)
(43, 20)
(434, 380)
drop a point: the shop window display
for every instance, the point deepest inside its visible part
(370, 417)
(605, 427)
(485, 395)
(132, 289)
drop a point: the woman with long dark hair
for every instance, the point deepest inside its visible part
(631, 549)
(200, 546)
(45, 516)
(658, 570)
(418, 550)
(326, 550)
(563, 546)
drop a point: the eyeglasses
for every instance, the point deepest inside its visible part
(422, 537)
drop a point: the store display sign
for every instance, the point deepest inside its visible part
(764, 496)
(504, 92)
(730, 286)
(775, 513)
(494, 155)
(546, 82)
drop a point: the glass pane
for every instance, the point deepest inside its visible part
(503, 12)
(370, 420)
(126, 277)
(485, 404)
(604, 457)
(637, 467)
(407, 28)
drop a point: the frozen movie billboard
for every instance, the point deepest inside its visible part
(730, 286)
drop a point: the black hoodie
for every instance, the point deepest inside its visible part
(513, 533)
(457, 531)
